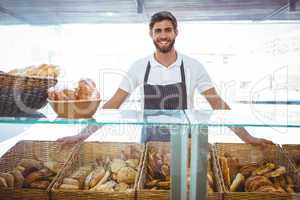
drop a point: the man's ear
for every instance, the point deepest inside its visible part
(176, 31)
(150, 33)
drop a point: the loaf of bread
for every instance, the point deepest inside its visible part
(43, 70)
(9, 178)
(85, 90)
(256, 177)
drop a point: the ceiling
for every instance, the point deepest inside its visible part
(47, 12)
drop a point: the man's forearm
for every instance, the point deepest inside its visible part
(242, 133)
(89, 130)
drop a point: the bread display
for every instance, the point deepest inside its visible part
(255, 177)
(105, 174)
(43, 70)
(29, 173)
(158, 170)
(84, 90)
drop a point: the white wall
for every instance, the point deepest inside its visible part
(234, 54)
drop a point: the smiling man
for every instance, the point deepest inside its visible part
(169, 79)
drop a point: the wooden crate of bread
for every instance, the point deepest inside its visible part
(255, 172)
(29, 168)
(100, 171)
(154, 181)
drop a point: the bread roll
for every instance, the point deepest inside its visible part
(94, 177)
(34, 176)
(255, 182)
(264, 169)
(40, 184)
(278, 172)
(81, 174)
(87, 90)
(30, 163)
(69, 187)
(237, 182)
(247, 169)
(18, 178)
(3, 183)
(8, 178)
(70, 181)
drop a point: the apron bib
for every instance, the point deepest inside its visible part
(163, 97)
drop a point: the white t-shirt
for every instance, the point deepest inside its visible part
(196, 76)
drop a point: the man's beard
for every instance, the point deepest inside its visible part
(164, 49)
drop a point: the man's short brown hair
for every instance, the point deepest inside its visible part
(163, 15)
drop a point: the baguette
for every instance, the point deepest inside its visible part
(225, 171)
(237, 182)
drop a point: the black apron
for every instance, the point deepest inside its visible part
(166, 97)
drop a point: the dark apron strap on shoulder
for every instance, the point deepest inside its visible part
(147, 72)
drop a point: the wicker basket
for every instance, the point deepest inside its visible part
(26, 149)
(292, 151)
(146, 194)
(19, 92)
(87, 154)
(247, 153)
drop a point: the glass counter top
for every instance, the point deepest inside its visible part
(106, 117)
(282, 117)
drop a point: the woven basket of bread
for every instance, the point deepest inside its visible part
(255, 172)
(154, 181)
(26, 92)
(100, 171)
(28, 169)
(292, 152)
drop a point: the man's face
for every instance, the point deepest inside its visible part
(163, 35)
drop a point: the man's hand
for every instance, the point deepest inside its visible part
(258, 141)
(69, 140)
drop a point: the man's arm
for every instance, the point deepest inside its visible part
(217, 103)
(113, 103)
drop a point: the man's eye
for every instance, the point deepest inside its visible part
(157, 31)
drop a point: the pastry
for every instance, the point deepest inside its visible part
(81, 174)
(3, 183)
(264, 169)
(30, 163)
(40, 184)
(8, 178)
(121, 187)
(32, 177)
(278, 172)
(225, 171)
(126, 175)
(18, 178)
(237, 182)
(94, 177)
(87, 90)
(71, 181)
(116, 165)
(266, 188)
(247, 169)
(69, 187)
(253, 183)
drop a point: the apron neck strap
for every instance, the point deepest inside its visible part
(147, 72)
